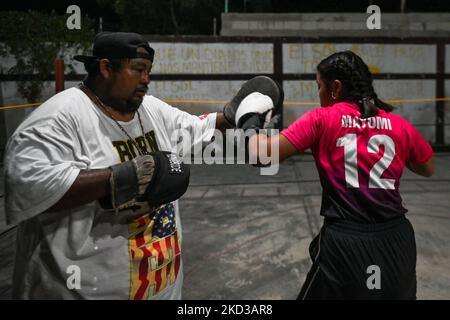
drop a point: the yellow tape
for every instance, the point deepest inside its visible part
(197, 101)
(418, 100)
(28, 105)
(393, 101)
(221, 102)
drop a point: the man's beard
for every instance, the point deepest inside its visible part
(127, 106)
(133, 105)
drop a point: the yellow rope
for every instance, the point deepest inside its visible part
(28, 105)
(287, 103)
(418, 100)
(197, 101)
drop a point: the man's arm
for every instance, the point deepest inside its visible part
(221, 123)
(90, 185)
(153, 180)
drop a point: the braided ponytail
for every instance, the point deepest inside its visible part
(354, 74)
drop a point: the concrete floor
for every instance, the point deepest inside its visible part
(246, 236)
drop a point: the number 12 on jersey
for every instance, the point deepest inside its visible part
(349, 143)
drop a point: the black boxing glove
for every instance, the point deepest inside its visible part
(260, 96)
(154, 179)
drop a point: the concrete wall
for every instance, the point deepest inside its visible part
(447, 112)
(421, 114)
(381, 58)
(211, 58)
(335, 25)
(234, 58)
(302, 58)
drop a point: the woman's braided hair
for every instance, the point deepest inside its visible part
(350, 69)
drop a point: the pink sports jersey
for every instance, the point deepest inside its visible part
(360, 161)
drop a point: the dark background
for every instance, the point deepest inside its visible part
(194, 17)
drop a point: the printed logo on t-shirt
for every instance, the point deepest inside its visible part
(154, 252)
(154, 248)
(127, 149)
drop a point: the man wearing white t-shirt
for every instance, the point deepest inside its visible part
(92, 187)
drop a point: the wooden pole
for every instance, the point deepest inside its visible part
(59, 75)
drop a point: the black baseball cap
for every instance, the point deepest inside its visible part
(118, 45)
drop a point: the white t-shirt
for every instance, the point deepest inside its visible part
(87, 252)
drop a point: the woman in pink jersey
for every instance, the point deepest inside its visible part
(366, 247)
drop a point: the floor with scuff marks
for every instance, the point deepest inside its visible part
(246, 236)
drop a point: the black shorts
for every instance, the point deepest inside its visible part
(362, 261)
